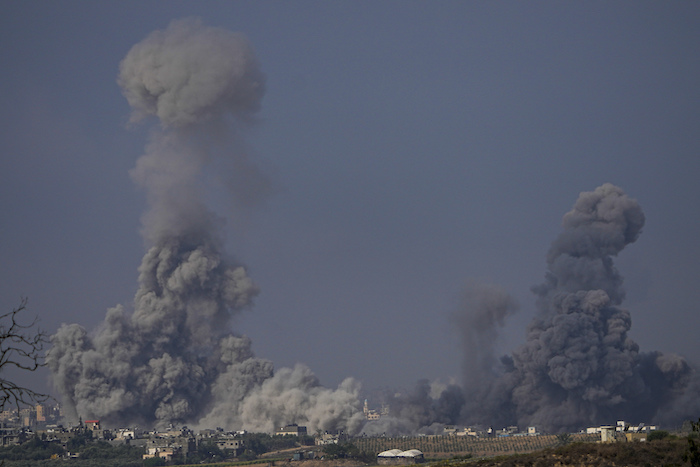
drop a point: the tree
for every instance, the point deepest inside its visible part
(80, 439)
(657, 434)
(692, 454)
(22, 347)
(563, 439)
(347, 450)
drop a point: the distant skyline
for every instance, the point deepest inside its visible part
(411, 147)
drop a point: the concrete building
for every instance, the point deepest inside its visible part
(12, 436)
(166, 453)
(127, 433)
(28, 416)
(40, 413)
(234, 447)
(607, 434)
(9, 416)
(371, 414)
(330, 437)
(175, 444)
(293, 430)
(92, 424)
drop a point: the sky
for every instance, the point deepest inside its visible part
(413, 148)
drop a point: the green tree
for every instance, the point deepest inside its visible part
(658, 434)
(334, 451)
(79, 440)
(692, 453)
(32, 450)
(104, 450)
(347, 451)
(207, 451)
(154, 461)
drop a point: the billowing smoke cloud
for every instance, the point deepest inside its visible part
(188, 74)
(174, 358)
(425, 410)
(578, 367)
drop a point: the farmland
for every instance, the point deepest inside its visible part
(436, 447)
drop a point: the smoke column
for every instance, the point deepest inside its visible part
(484, 310)
(578, 367)
(174, 359)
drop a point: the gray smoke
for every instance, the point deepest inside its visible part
(174, 358)
(484, 310)
(424, 410)
(188, 74)
(578, 367)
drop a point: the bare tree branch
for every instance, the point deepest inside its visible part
(21, 346)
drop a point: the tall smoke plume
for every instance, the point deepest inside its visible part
(174, 359)
(578, 366)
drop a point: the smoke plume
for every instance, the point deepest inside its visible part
(578, 366)
(484, 310)
(174, 358)
(424, 410)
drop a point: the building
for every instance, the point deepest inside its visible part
(291, 430)
(9, 416)
(166, 453)
(330, 437)
(234, 447)
(40, 413)
(12, 436)
(28, 416)
(127, 433)
(175, 445)
(621, 431)
(399, 457)
(607, 434)
(371, 414)
(92, 424)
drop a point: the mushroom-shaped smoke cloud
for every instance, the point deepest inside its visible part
(174, 359)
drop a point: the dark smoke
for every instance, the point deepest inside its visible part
(484, 310)
(174, 359)
(578, 367)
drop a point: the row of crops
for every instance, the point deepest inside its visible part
(448, 446)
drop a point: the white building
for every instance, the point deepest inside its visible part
(399, 457)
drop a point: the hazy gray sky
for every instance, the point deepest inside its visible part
(414, 146)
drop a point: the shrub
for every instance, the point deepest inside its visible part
(658, 434)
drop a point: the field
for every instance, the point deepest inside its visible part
(583, 451)
(661, 453)
(440, 447)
